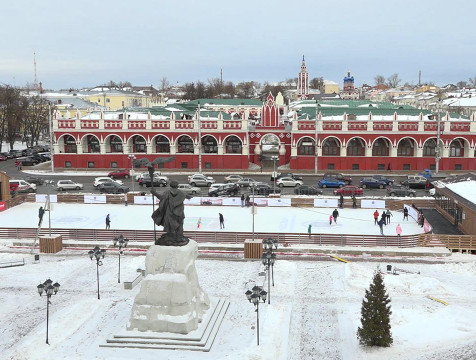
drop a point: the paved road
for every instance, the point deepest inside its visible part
(309, 179)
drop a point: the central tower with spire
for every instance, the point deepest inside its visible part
(303, 82)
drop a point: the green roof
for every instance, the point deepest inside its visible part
(227, 102)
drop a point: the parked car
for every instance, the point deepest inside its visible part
(68, 185)
(15, 153)
(400, 190)
(22, 186)
(233, 178)
(415, 182)
(265, 189)
(246, 182)
(119, 174)
(330, 182)
(372, 183)
(28, 161)
(103, 179)
(112, 188)
(40, 157)
(157, 174)
(383, 178)
(8, 155)
(341, 177)
(34, 180)
(349, 190)
(307, 190)
(288, 181)
(281, 175)
(3, 157)
(200, 180)
(225, 190)
(189, 189)
(158, 182)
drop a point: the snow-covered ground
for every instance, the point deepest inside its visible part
(314, 311)
(267, 219)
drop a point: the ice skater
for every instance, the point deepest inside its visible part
(398, 230)
(405, 213)
(41, 212)
(125, 199)
(199, 222)
(335, 214)
(108, 222)
(422, 219)
(384, 217)
(380, 225)
(354, 202)
(341, 201)
(242, 200)
(222, 220)
(387, 216)
(330, 219)
(247, 201)
(309, 230)
(376, 214)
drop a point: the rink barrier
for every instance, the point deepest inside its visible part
(284, 239)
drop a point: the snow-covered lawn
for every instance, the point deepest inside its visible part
(314, 311)
(267, 219)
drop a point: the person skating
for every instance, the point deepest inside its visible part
(354, 202)
(387, 215)
(330, 219)
(341, 201)
(222, 220)
(380, 225)
(199, 222)
(398, 230)
(376, 214)
(125, 199)
(309, 230)
(422, 219)
(335, 214)
(242, 200)
(108, 222)
(384, 217)
(405, 213)
(247, 201)
(41, 212)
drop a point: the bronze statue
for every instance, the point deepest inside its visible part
(170, 214)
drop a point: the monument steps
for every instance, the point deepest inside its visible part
(198, 340)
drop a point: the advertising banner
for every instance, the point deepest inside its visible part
(145, 200)
(211, 201)
(94, 199)
(372, 204)
(42, 198)
(412, 212)
(325, 203)
(279, 202)
(233, 201)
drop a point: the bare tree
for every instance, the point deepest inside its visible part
(472, 82)
(164, 84)
(13, 108)
(379, 79)
(317, 83)
(461, 84)
(190, 92)
(36, 120)
(214, 88)
(393, 80)
(246, 89)
(201, 91)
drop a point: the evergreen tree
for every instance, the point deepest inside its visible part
(375, 319)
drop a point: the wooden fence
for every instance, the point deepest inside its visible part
(461, 243)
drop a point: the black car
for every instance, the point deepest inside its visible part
(400, 190)
(112, 188)
(265, 189)
(34, 180)
(145, 181)
(40, 158)
(28, 161)
(230, 189)
(307, 190)
(281, 175)
(383, 178)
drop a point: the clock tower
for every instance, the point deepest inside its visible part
(303, 82)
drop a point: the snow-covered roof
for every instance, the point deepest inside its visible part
(465, 189)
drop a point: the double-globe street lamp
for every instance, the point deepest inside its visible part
(121, 242)
(98, 254)
(268, 259)
(255, 295)
(49, 289)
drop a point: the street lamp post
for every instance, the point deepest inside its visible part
(255, 295)
(150, 169)
(49, 289)
(122, 243)
(274, 158)
(268, 259)
(199, 141)
(253, 210)
(98, 254)
(132, 157)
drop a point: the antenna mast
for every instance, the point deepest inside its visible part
(35, 82)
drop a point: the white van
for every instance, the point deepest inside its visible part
(23, 186)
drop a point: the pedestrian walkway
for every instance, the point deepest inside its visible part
(440, 224)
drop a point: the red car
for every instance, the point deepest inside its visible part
(3, 157)
(349, 190)
(119, 174)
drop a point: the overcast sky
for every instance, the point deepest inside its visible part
(86, 43)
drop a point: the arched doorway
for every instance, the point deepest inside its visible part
(356, 147)
(381, 147)
(269, 151)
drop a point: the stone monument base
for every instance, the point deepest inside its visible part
(170, 298)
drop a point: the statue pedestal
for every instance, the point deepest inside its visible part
(170, 298)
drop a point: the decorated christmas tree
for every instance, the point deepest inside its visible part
(375, 319)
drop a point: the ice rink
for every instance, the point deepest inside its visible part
(267, 219)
